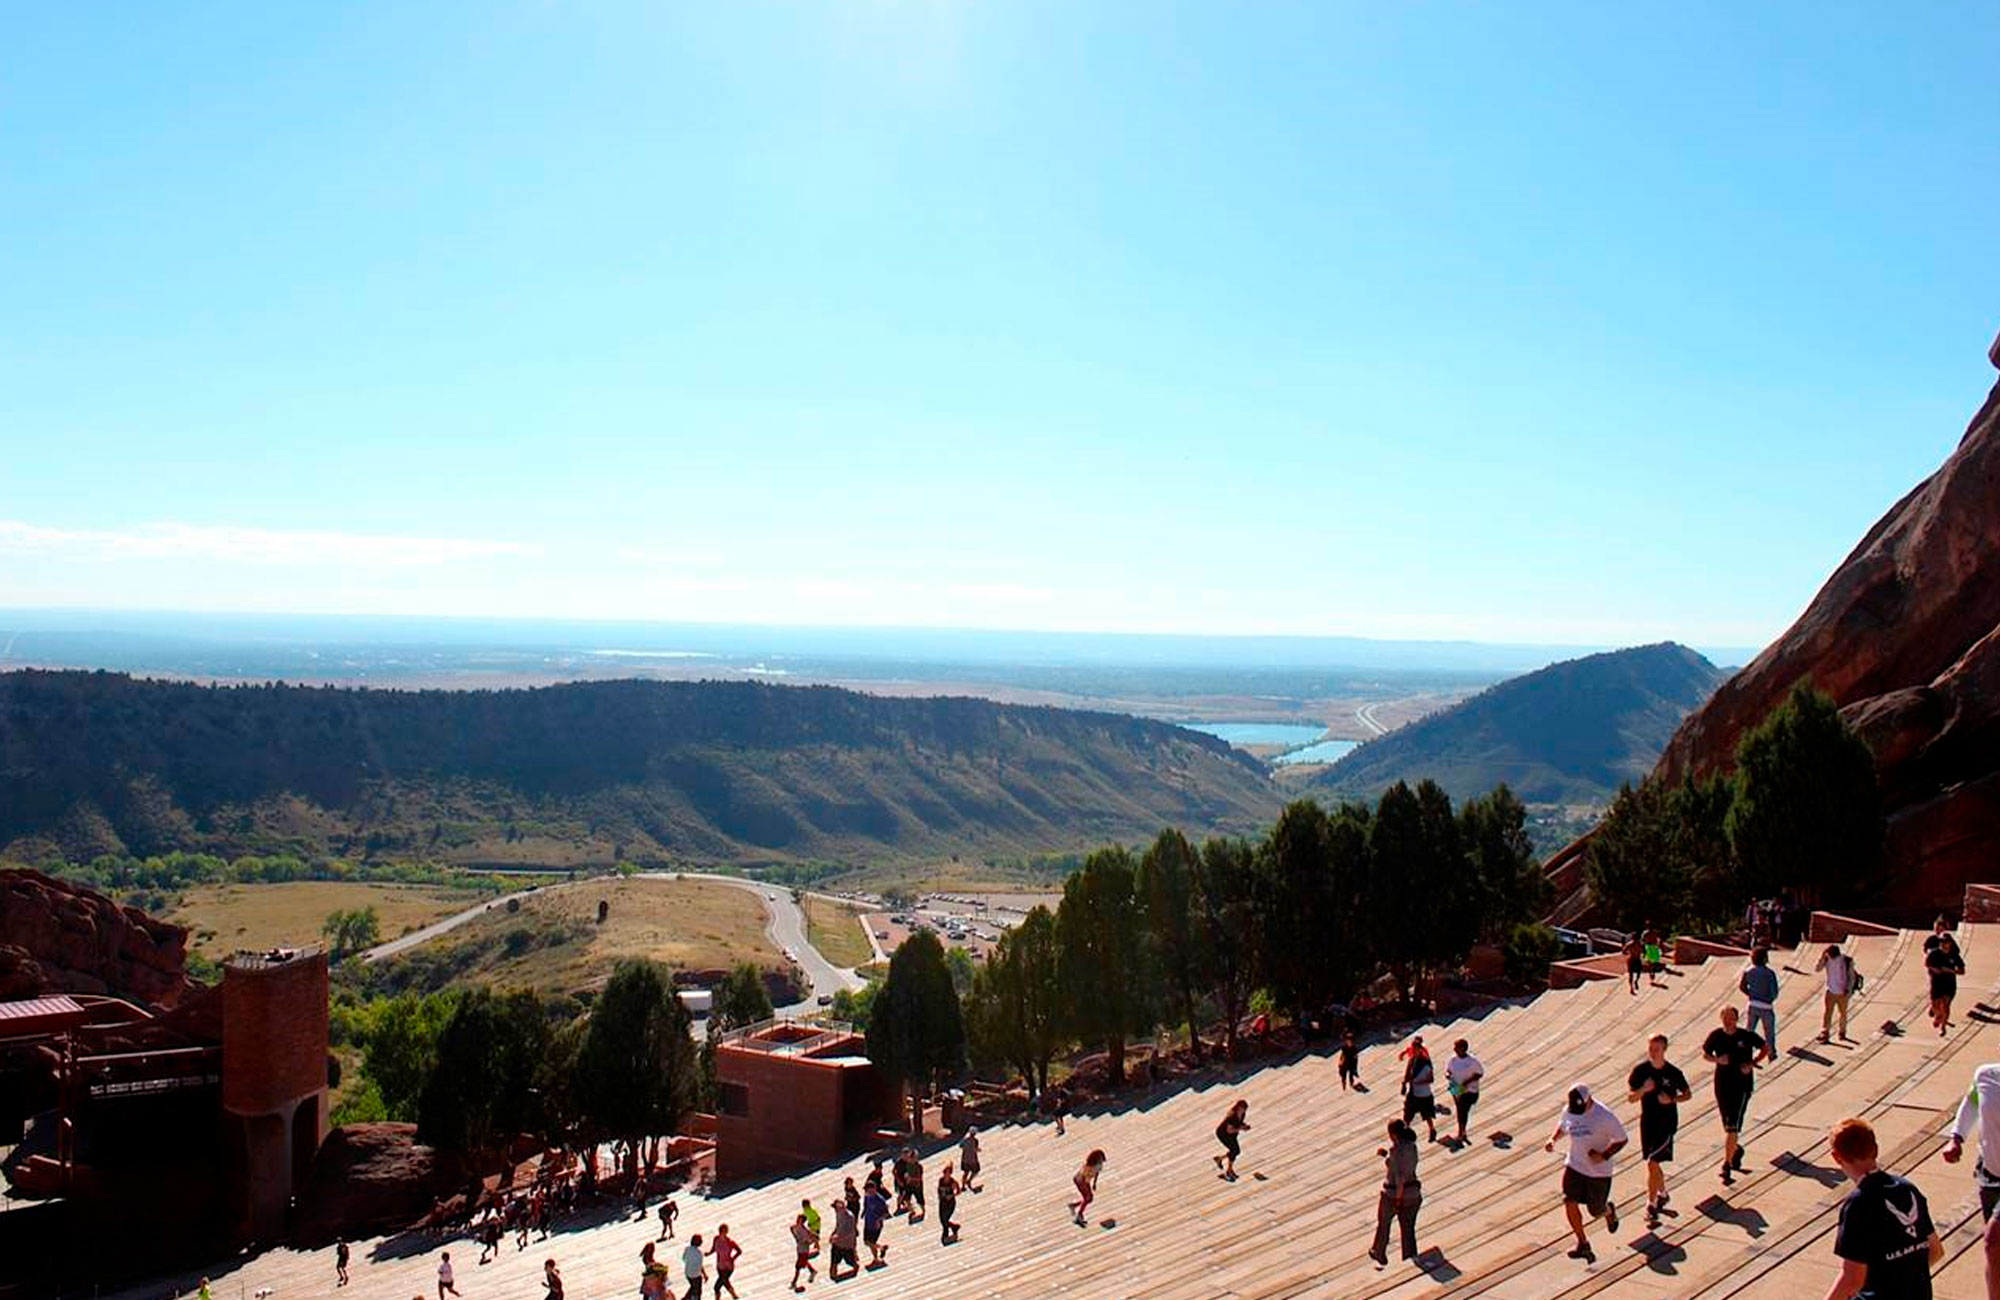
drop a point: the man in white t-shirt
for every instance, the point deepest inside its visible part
(445, 1284)
(695, 1262)
(1839, 968)
(1595, 1135)
(1462, 1074)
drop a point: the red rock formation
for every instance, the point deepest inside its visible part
(1905, 636)
(369, 1178)
(56, 937)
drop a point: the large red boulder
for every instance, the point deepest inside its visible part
(369, 1178)
(1905, 636)
(68, 939)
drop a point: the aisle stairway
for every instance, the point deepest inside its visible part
(1297, 1224)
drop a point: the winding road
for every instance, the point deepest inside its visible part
(785, 925)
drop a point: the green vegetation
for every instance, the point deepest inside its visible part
(836, 931)
(351, 931)
(636, 1072)
(916, 1031)
(1806, 809)
(153, 883)
(554, 943)
(785, 781)
(1566, 735)
(1106, 967)
(1800, 811)
(1015, 1016)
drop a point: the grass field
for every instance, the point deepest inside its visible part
(554, 944)
(225, 918)
(836, 932)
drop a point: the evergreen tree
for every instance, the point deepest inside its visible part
(1633, 863)
(401, 1050)
(636, 1070)
(1494, 831)
(1015, 1012)
(1423, 901)
(1807, 811)
(1106, 968)
(1227, 915)
(915, 1029)
(481, 1091)
(740, 1000)
(1167, 884)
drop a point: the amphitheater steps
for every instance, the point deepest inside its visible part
(1299, 1221)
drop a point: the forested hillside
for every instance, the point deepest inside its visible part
(703, 771)
(1570, 733)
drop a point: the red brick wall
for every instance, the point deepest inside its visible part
(274, 1037)
(796, 1114)
(1982, 903)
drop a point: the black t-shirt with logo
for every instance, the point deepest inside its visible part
(1941, 956)
(1738, 1047)
(1668, 1081)
(1886, 1224)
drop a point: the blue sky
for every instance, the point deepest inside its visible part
(1543, 322)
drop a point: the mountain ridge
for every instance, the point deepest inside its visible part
(694, 771)
(1569, 733)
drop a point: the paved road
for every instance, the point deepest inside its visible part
(436, 928)
(785, 924)
(1365, 715)
(787, 928)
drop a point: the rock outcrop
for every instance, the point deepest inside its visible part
(368, 1178)
(56, 937)
(1905, 636)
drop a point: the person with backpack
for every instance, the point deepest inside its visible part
(1841, 978)
(1759, 985)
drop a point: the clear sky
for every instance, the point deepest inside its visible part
(1555, 322)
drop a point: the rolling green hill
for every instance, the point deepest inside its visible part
(563, 775)
(1570, 733)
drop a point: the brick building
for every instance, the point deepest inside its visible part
(794, 1094)
(195, 1124)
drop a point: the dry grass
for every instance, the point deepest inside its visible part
(685, 923)
(836, 931)
(225, 918)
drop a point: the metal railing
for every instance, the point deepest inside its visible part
(818, 1034)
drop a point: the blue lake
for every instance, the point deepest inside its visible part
(1260, 733)
(1326, 751)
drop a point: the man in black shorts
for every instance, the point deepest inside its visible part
(1659, 1087)
(1735, 1053)
(1595, 1136)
